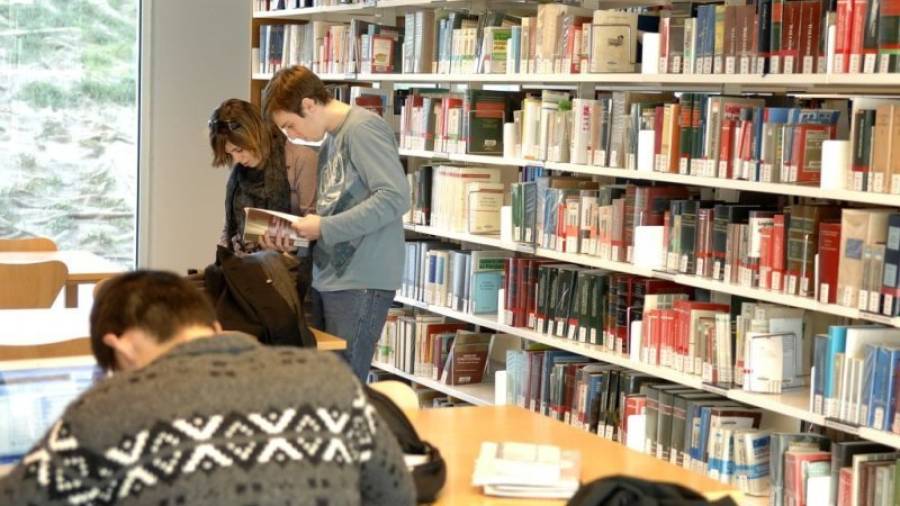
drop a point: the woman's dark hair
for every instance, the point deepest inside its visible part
(159, 303)
(238, 122)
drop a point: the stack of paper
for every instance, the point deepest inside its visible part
(527, 470)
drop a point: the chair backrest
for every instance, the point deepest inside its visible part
(400, 393)
(71, 348)
(28, 244)
(31, 285)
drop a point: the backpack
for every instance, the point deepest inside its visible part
(628, 491)
(430, 470)
(259, 294)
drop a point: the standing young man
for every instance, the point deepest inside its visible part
(359, 252)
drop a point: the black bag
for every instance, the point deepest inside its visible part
(429, 476)
(628, 491)
(259, 294)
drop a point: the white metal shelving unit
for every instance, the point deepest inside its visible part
(794, 403)
(479, 394)
(683, 279)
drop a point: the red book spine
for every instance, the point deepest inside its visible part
(664, 26)
(842, 37)
(845, 487)
(829, 258)
(778, 243)
(523, 286)
(790, 34)
(765, 256)
(747, 143)
(725, 148)
(808, 171)
(634, 405)
(857, 34)
(679, 334)
(658, 119)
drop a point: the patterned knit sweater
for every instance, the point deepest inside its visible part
(218, 421)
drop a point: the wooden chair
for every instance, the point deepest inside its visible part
(31, 285)
(400, 393)
(28, 244)
(71, 348)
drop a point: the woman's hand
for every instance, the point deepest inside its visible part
(282, 239)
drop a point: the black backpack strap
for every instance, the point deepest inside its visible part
(430, 476)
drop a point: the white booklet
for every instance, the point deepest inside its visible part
(262, 222)
(511, 469)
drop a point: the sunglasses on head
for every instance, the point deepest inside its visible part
(220, 124)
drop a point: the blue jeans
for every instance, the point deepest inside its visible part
(356, 316)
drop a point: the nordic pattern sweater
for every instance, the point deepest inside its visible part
(218, 421)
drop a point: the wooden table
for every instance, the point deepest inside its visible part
(458, 433)
(84, 267)
(41, 333)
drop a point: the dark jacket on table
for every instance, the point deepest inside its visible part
(217, 421)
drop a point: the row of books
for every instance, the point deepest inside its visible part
(279, 5)
(855, 376)
(701, 431)
(330, 48)
(774, 140)
(772, 36)
(435, 347)
(464, 280)
(844, 256)
(759, 347)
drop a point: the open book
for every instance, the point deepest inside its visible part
(512, 469)
(262, 222)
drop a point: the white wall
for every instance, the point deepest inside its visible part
(196, 53)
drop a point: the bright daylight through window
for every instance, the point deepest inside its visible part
(69, 123)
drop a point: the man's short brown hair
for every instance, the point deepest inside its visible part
(289, 86)
(159, 303)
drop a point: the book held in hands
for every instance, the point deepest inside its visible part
(259, 223)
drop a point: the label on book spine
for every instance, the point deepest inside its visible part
(888, 305)
(874, 301)
(869, 63)
(862, 301)
(824, 291)
(745, 65)
(858, 180)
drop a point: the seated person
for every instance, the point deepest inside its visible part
(268, 171)
(195, 417)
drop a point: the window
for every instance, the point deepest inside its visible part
(69, 123)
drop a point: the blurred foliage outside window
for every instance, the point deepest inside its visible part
(69, 123)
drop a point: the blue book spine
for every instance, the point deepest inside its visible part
(880, 386)
(873, 380)
(485, 286)
(515, 41)
(820, 348)
(891, 280)
(891, 395)
(702, 436)
(758, 114)
(837, 338)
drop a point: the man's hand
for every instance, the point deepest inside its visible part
(308, 227)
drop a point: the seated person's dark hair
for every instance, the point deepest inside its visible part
(159, 303)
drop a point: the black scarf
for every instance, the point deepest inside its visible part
(265, 187)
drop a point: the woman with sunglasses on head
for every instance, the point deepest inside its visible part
(268, 171)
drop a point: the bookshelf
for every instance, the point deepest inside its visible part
(479, 394)
(794, 403)
(682, 279)
(808, 191)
